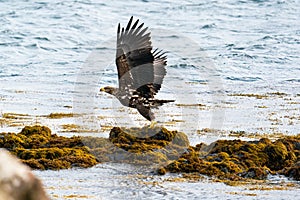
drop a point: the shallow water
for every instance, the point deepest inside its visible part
(56, 55)
(118, 181)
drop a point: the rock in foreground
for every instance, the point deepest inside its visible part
(17, 181)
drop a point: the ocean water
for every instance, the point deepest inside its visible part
(232, 65)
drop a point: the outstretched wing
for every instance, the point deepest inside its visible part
(139, 68)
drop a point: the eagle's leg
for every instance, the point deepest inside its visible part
(153, 123)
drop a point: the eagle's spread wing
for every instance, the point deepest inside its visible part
(139, 68)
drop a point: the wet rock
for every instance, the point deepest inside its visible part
(146, 139)
(237, 159)
(17, 181)
(146, 145)
(259, 173)
(36, 130)
(143, 146)
(162, 171)
(234, 160)
(39, 149)
(292, 171)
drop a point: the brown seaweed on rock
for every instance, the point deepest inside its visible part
(146, 139)
(236, 159)
(144, 146)
(38, 148)
(233, 160)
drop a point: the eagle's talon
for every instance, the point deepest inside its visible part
(152, 125)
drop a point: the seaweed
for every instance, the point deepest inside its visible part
(144, 146)
(38, 148)
(227, 160)
(238, 160)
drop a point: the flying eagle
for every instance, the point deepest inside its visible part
(141, 70)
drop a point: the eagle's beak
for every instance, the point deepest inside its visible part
(102, 89)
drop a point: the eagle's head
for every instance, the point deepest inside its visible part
(109, 90)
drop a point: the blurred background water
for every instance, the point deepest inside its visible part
(253, 47)
(238, 59)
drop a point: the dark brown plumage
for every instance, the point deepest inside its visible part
(140, 69)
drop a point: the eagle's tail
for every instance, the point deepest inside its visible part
(159, 102)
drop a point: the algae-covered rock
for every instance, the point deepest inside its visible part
(145, 145)
(292, 171)
(259, 173)
(146, 139)
(237, 159)
(36, 130)
(38, 148)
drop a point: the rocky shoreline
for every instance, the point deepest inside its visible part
(167, 151)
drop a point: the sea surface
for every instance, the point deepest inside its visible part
(233, 66)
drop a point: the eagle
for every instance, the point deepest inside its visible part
(141, 69)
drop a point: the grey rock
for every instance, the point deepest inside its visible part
(17, 182)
